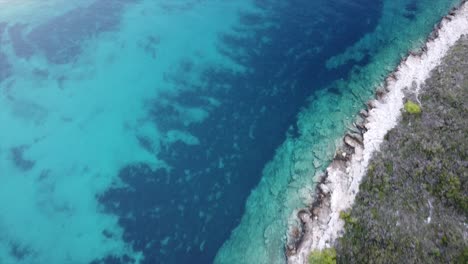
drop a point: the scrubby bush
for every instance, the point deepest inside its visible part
(346, 217)
(412, 108)
(325, 256)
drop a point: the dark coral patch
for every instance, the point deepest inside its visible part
(410, 10)
(21, 47)
(114, 260)
(42, 73)
(179, 6)
(5, 67)
(19, 251)
(2, 28)
(17, 154)
(150, 45)
(146, 143)
(60, 39)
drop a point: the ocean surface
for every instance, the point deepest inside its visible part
(180, 131)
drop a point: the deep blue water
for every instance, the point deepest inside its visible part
(244, 131)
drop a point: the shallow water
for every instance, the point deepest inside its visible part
(147, 131)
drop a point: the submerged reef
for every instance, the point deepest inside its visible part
(412, 205)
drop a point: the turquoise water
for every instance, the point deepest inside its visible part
(188, 131)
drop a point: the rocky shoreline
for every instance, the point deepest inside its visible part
(321, 224)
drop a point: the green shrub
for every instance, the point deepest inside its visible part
(412, 108)
(346, 217)
(463, 258)
(389, 167)
(325, 256)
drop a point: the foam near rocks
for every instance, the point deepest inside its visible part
(321, 224)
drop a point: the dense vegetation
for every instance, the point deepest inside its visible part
(413, 204)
